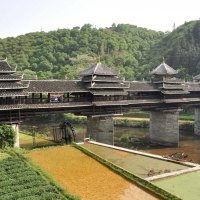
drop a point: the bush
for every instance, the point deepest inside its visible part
(7, 136)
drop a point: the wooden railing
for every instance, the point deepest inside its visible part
(29, 100)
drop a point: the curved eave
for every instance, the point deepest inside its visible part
(10, 80)
(56, 92)
(14, 88)
(111, 87)
(140, 90)
(8, 72)
(13, 95)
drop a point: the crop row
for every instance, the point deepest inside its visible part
(20, 181)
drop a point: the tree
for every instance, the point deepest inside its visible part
(29, 74)
(7, 136)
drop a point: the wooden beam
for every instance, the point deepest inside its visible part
(107, 115)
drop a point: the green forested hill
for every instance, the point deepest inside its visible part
(181, 49)
(65, 52)
(131, 50)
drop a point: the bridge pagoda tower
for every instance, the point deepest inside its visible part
(12, 90)
(164, 127)
(107, 89)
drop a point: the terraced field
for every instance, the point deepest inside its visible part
(85, 177)
(20, 181)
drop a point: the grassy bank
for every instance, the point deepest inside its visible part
(186, 122)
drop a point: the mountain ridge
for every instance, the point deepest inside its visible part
(131, 50)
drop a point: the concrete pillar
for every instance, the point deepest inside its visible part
(101, 129)
(16, 129)
(197, 121)
(164, 128)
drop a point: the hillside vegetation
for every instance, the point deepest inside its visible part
(131, 50)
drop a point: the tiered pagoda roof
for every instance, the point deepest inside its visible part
(10, 84)
(101, 80)
(197, 78)
(165, 80)
(164, 70)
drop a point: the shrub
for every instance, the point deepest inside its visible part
(7, 136)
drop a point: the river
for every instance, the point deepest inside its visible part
(131, 138)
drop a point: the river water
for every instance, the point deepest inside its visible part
(131, 138)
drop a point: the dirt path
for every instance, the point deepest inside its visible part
(85, 177)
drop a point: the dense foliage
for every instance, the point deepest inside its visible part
(133, 51)
(181, 49)
(7, 136)
(20, 181)
(65, 53)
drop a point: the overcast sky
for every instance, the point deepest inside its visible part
(24, 16)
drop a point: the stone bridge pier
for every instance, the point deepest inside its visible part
(197, 121)
(101, 129)
(16, 129)
(164, 127)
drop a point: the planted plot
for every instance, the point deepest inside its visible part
(85, 177)
(139, 165)
(185, 186)
(20, 181)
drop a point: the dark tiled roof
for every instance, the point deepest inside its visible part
(11, 93)
(164, 69)
(196, 78)
(5, 67)
(108, 92)
(193, 86)
(167, 80)
(12, 85)
(172, 86)
(107, 85)
(97, 78)
(142, 86)
(174, 92)
(99, 69)
(53, 86)
(9, 77)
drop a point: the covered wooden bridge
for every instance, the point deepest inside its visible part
(101, 94)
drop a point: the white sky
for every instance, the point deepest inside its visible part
(24, 16)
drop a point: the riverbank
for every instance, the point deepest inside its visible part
(185, 122)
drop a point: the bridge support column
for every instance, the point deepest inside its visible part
(101, 129)
(164, 128)
(16, 129)
(197, 121)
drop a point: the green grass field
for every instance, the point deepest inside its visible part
(18, 180)
(185, 186)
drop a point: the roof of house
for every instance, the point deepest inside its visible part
(99, 69)
(164, 69)
(9, 77)
(5, 67)
(97, 78)
(196, 78)
(142, 86)
(55, 86)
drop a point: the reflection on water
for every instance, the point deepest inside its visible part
(189, 143)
